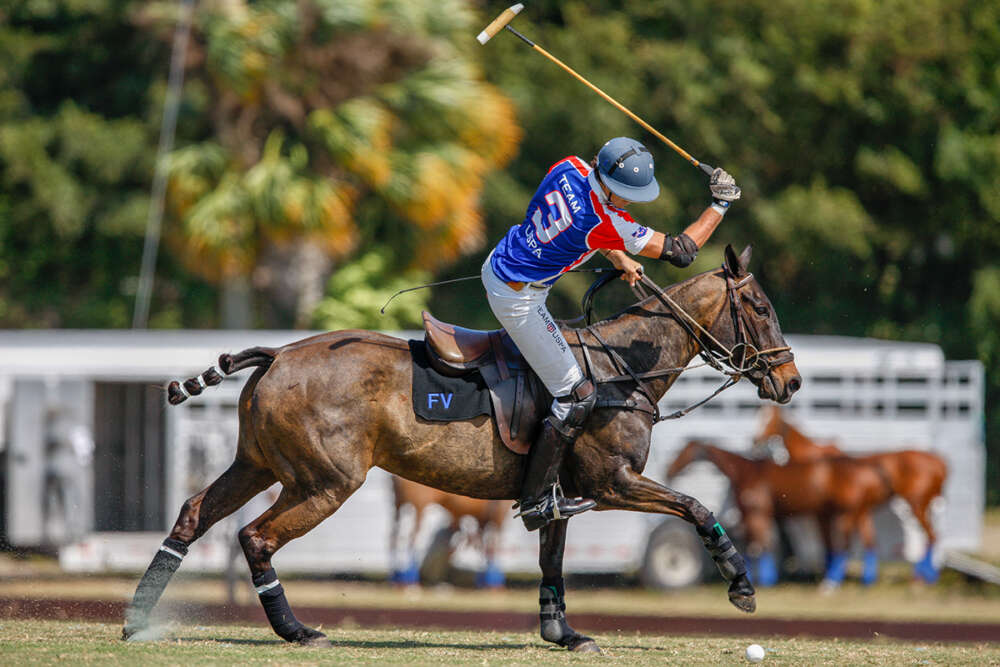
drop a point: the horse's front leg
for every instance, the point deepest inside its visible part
(631, 491)
(552, 592)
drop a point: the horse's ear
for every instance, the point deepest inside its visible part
(732, 261)
(745, 257)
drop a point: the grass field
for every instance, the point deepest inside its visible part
(896, 599)
(51, 642)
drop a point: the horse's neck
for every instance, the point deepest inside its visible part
(649, 338)
(731, 465)
(796, 442)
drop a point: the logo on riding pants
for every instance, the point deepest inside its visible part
(551, 327)
(444, 399)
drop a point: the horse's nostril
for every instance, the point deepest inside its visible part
(794, 384)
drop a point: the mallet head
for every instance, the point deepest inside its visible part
(499, 22)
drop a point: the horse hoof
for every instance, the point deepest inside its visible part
(585, 645)
(311, 638)
(742, 594)
(747, 603)
(131, 629)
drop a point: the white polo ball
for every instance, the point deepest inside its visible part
(755, 653)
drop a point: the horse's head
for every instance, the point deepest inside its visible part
(748, 330)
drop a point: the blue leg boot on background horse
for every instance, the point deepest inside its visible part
(837, 569)
(763, 569)
(491, 577)
(925, 568)
(409, 576)
(869, 573)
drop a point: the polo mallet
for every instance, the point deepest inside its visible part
(503, 21)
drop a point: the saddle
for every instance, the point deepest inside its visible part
(519, 399)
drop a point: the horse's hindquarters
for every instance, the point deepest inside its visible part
(340, 404)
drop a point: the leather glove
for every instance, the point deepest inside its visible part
(723, 186)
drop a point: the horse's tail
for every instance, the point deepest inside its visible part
(178, 392)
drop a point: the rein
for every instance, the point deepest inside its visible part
(743, 358)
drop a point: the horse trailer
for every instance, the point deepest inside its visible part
(97, 465)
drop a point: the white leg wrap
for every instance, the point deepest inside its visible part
(266, 587)
(175, 554)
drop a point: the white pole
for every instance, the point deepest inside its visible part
(144, 291)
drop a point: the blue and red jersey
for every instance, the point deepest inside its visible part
(567, 221)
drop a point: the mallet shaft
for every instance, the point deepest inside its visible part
(618, 105)
(503, 21)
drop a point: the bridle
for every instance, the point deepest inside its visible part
(744, 358)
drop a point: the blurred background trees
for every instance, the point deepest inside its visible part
(330, 152)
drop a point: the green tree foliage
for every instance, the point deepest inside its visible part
(76, 147)
(357, 291)
(333, 125)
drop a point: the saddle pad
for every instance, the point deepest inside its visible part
(440, 398)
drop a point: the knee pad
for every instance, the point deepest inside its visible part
(580, 401)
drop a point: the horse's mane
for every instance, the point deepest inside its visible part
(639, 308)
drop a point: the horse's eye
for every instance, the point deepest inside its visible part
(760, 310)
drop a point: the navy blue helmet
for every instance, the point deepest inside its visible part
(626, 167)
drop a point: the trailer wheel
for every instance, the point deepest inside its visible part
(675, 557)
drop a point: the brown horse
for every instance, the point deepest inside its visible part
(800, 447)
(915, 476)
(489, 516)
(838, 491)
(317, 414)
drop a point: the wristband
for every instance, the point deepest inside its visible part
(720, 206)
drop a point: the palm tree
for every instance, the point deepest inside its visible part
(332, 126)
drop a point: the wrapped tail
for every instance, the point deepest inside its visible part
(178, 392)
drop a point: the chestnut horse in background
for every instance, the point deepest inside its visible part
(318, 413)
(838, 491)
(916, 476)
(489, 516)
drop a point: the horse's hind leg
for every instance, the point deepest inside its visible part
(551, 594)
(866, 529)
(228, 493)
(293, 515)
(925, 568)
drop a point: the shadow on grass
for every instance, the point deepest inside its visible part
(409, 643)
(230, 640)
(358, 643)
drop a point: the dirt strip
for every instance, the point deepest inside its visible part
(97, 610)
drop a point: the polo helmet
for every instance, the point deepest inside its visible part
(626, 167)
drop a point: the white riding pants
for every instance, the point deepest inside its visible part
(524, 315)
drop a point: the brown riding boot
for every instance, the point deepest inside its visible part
(541, 499)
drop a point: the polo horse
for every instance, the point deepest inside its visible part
(488, 516)
(317, 414)
(838, 491)
(915, 476)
